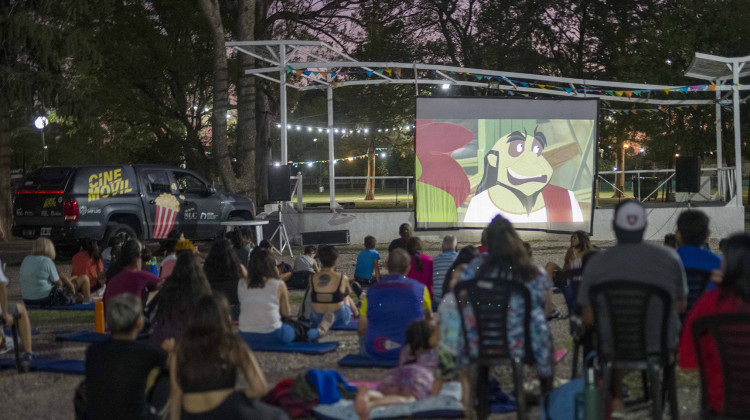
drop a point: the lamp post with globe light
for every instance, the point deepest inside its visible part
(40, 123)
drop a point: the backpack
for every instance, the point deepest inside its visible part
(305, 308)
(61, 296)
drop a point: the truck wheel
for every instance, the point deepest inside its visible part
(118, 230)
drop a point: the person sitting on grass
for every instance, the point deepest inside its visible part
(39, 275)
(12, 313)
(330, 290)
(421, 263)
(691, 234)
(248, 238)
(389, 307)
(88, 261)
(265, 308)
(109, 254)
(579, 245)
(174, 305)
(131, 279)
(167, 264)
(118, 369)
(204, 370)
(442, 263)
(224, 270)
(368, 262)
(304, 265)
(264, 245)
(148, 262)
(412, 380)
(404, 233)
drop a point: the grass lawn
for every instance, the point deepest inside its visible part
(388, 198)
(45, 317)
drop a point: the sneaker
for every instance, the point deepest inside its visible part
(325, 324)
(357, 289)
(26, 361)
(100, 291)
(6, 345)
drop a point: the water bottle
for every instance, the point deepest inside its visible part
(592, 398)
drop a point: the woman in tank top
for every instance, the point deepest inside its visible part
(264, 304)
(330, 291)
(204, 368)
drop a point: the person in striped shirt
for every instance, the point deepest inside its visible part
(442, 263)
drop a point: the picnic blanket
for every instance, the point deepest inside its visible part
(44, 364)
(74, 307)
(360, 360)
(304, 348)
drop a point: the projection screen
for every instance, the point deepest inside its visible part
(529, 160)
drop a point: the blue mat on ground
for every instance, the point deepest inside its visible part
(34, 331)
(351, 326)
(359, 360)
(76, 307)
(43, 364)
(304, 348)
(91, 337)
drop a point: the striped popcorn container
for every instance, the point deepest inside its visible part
(167, 208)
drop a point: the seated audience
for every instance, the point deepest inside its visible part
(441, 264)
(112, 249)
(412, 380)
(723, 245)
(238, 246)
(284, 274)
(117, 370)
(131, 279)
(184, 246)
(579, 245)
(389, 307)
(304, 266)
(404, 233)
(731, 296)
(421, 263)
(148, 262)
(670, 240)
(644, 262)
(453, 273)
(11, 313)
(39, 275)
(167, 264)
(330, 290)
(265, 309)
(205, 366)
(692, 232)
(88, 262)
(224, 270)
(482, 248)
(248, 238)
(505, 250)
(174, 305)
(368, 262)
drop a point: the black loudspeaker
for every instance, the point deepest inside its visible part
(279, 186)
(688, 174)
(328, 237)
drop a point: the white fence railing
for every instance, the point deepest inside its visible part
(719, 185)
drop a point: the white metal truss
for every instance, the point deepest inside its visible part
(317, 57)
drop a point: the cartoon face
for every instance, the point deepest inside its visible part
(519, 162)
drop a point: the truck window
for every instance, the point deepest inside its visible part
(188, 183)
(158, 182)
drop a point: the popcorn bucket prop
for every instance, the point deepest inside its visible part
(167, 208)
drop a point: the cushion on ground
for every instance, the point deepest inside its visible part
(359, 360)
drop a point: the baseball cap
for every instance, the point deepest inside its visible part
(630, 215)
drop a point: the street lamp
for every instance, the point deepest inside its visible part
(40, 123)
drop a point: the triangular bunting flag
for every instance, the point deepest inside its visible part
(333, 74)
(524, 84)
(543, 86)
(307, 73)
(478, 76)
(694, 106)
(637, 92)
(298, 73)
(628, 93)
(633, 111)
(398, 71)
(684, 89)
(368, 73)
(619, 93)
(712, 86)
(324, 73)
(379, 71)
(666, 90)
(289, 69)
(389, 71)
(568, 90)
(610, 92)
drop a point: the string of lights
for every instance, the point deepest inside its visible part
(342, 130)
(379, 150)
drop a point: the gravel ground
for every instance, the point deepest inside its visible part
(49, 396)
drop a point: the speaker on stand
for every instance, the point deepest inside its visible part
(687, 175)
(280, 190)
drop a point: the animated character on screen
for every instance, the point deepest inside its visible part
(516, 185)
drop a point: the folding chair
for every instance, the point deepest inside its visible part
(490, 301)
(622, 312)
(731, 335)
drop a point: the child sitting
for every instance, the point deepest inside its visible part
(117, 370)
(367, 263)
(412, 379)
(148, 262)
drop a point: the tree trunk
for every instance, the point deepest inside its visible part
(6, 211)
(370, 183)
(246, 127)
(221, 85)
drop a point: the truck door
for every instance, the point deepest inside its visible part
(200, 207)
(160, 203)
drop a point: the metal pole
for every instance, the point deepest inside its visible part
(44, 148)
(282, 104)
(719, 152)
(331, 161)
(407, 193)
(736, 67)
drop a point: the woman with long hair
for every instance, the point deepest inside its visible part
(224, 270)
(204, 366)
(580, 244)
(404, 234)
(731, 296)
(508, 260)
(174, 305)
(421, 265)
(88, 261)
(264, 306)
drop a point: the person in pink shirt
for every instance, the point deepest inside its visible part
(421, 264)
(131, 279)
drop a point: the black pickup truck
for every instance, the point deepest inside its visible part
(147, 202)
